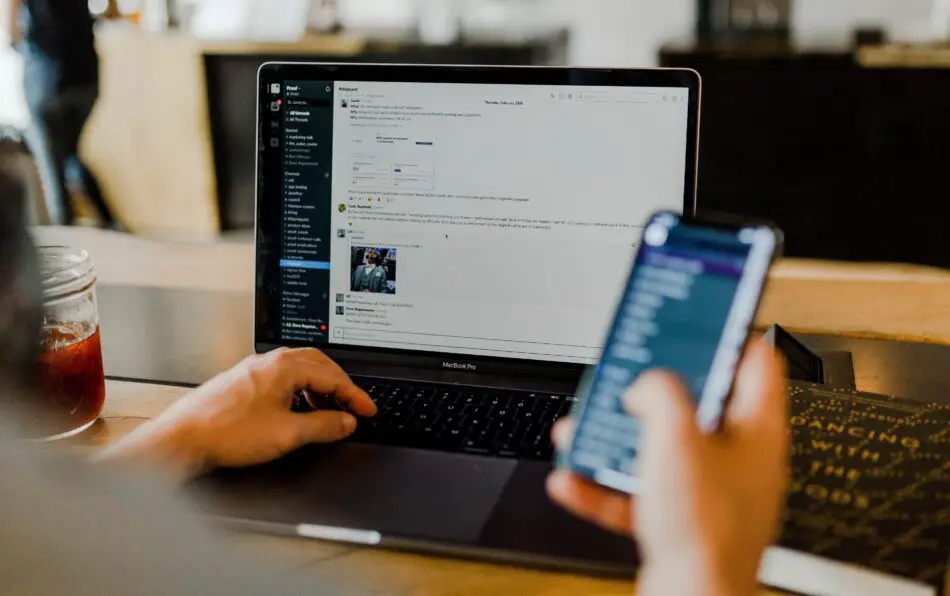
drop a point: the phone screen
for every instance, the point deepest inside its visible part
(688, 307)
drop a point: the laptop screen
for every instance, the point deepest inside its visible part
(477, 219)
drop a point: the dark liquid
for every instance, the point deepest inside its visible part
(72, 382)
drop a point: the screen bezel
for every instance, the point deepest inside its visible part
(267, 236)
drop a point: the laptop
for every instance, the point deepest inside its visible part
(456, 238)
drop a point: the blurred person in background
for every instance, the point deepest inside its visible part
(61, 85)
(114, 526)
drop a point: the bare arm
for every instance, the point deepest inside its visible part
(13, 22)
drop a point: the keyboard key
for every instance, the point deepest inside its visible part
(529, 434)
(472, 399)
(540, 454)
(449, 397)
(500, 401)
(497, 427)
(422, 405)
(424, 394)
(483, 411)
(486, 435)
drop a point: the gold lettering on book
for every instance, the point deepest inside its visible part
(823, 469)
(870, 480)
(843, 451)
(834, 496)
(829, 406)
(856, 432)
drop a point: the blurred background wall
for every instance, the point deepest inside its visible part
(613, 32)
(829, 124)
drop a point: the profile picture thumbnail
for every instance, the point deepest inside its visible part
(344, 103)
(373, 269)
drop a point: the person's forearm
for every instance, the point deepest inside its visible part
(685, 579)
(166, 449)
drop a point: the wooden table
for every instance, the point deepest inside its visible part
(876, 300)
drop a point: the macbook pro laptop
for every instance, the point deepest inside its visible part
(456, 238)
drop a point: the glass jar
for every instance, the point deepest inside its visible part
(72, 387)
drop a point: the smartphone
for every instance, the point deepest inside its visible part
(688, 306)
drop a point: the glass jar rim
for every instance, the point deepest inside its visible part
(64, 271)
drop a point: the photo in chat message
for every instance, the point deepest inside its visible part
(373, 270)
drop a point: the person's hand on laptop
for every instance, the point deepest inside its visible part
(710, 504)
(242, 417)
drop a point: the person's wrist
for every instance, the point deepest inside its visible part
(695, 576)
(170, 446)
(182, 442)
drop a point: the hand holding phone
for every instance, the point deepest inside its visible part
(711, 503)
(688, 306)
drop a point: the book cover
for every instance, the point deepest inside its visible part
(870, 481)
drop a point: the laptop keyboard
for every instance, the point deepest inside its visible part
(492, 422)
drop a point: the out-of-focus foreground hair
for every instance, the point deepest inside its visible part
(20, 296)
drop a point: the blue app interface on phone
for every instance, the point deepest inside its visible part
(678, 313)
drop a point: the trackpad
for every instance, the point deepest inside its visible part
(398, 492)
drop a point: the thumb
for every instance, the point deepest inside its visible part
(324, 427)
(758, 406)
(665, 408)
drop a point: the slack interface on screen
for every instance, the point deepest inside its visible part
(303, 113)
(491, 220)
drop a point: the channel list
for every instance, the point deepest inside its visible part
(307, 143)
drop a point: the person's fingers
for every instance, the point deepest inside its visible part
(322, 427)
(606, 508)
(316, 355)
(563, 433)
(312, 370)
(354, 399)
(309, 356)
(758, 405)
(665, 409)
